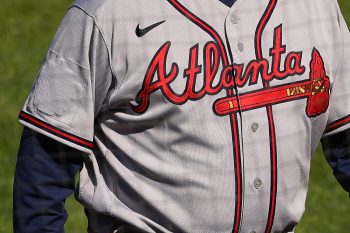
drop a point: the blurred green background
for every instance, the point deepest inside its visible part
(26, 29)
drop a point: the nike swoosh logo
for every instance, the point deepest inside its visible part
(142, 31)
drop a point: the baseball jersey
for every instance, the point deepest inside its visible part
(195, 116)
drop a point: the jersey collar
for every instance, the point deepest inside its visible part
(228, 3)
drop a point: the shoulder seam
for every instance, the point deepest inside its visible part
(102, 36)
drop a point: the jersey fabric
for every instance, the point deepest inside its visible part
(196, 116)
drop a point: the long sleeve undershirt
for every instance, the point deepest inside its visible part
(44, 178)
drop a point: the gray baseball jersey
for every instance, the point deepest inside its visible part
(195, 116)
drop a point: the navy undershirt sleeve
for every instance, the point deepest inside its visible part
(44, 178)
(337, 151)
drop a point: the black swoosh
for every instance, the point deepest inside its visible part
(142, 31)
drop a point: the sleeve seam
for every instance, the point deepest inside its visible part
(108, 52)
(67, 59)
(114, 79)
(102, 36)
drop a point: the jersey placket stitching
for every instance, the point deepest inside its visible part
(273, 147)
(233, 117)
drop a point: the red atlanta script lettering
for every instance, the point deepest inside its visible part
(157, 78)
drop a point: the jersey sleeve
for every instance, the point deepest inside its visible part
(339, 108)
(71, 85)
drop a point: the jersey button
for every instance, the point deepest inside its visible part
(255, 127)
(234, 19)
(257, 183)
(240, 47)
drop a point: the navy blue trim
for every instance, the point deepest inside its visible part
(228, 3)
(55, 131)
(337, 124)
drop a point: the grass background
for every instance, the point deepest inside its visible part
(26, 29)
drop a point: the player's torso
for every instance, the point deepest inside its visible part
(175, 135)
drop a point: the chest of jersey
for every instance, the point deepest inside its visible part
(236, 97)
(189, 52)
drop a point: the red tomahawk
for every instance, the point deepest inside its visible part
(316, 90)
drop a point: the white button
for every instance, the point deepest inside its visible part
(257, 183)
(234, 19)
(240, 47)
(255, 127)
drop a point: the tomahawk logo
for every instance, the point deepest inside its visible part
(316, 90)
